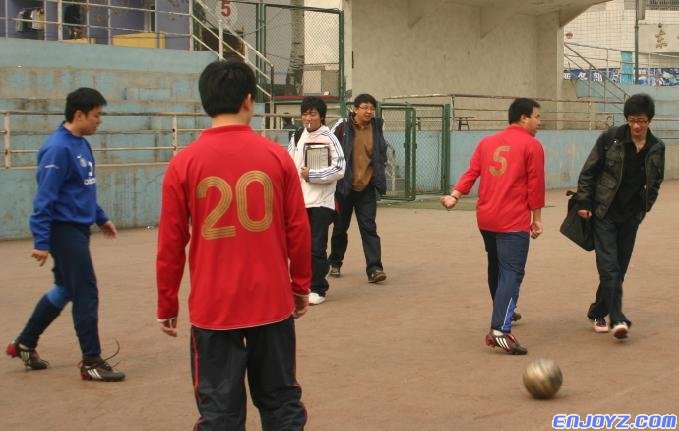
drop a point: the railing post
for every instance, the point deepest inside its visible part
(191, 35)
(174, 135)
(8, 148)
(260, 46)
(445, 135)
(342, 78)
(60, 24)
(220, 38)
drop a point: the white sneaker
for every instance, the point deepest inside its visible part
(316, 299)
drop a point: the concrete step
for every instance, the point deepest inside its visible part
(53, 83)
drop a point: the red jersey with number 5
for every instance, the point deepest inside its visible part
(236, 197)
(511, 165)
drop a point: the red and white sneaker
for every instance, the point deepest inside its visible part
(506, 341)
(30, 357)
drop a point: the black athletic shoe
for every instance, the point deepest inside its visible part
(334, 271)
(516, 316)
(377, 276)
(98, 369)
(30, 357)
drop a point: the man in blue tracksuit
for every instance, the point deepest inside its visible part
(64, 208)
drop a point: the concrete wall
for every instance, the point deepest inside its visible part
(429, 46)
(133, 80)
(565, 153)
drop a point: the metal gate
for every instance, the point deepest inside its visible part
(418, 149)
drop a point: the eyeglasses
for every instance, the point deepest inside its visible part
(639, 121)
(367, 108)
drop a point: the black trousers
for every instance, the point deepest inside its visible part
(320, 219)
(364, 203)
(219, 361)
(613, 245)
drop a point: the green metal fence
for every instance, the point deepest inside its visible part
(399, 132)
(418, 157)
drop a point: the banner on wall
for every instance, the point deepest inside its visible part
(654, 76)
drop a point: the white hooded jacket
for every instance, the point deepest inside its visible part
(319, 191)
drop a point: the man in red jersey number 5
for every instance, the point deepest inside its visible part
(511, 165)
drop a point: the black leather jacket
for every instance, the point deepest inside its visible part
(344, 130)
(602, 173)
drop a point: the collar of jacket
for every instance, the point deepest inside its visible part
(375, 121)
(623, 134)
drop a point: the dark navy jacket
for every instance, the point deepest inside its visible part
(344, 130)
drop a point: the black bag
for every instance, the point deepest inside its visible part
(576, 228)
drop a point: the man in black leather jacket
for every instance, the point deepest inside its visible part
(365, 151)
(618, 185)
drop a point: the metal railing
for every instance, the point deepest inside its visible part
(481, 112)
(594, 63)
(165, 134)
(288, 60)
(605, 88)
(263, 68)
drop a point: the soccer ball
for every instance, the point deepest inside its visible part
(542, 378)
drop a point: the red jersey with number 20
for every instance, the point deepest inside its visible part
(249, 231)
(511, 165)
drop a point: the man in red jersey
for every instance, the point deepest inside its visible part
(236, 196)
(511, 165)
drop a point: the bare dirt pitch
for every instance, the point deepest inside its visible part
(404, 355)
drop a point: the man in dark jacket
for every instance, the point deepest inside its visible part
(618, 185)
(365, 151)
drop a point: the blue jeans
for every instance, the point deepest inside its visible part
(508, 252)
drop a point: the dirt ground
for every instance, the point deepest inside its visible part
(404, 355)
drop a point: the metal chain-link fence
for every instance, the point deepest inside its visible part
(305, 45)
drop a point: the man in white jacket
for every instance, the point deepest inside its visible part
(318, 185)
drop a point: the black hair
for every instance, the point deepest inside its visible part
(313, 102)
(364, 98)
(640, 104)
(83, 99)
(519, 107)
(224, 85)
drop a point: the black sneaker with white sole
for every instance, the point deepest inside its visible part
(377, 276)
(620, 330)
(96, 368)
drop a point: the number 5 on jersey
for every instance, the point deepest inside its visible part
(499, 158)
(209, 231)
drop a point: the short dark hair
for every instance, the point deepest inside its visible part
(313, 102)
(521, 106)
(83, 99)
(364, 98)
(640, 104)
(224, 85)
